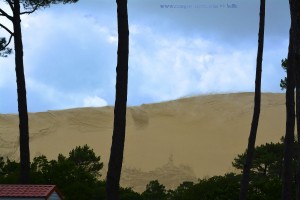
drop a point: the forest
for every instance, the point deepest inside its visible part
(78, 176)
(270, 171)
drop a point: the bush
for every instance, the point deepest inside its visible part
(76, 176)
(154, 191)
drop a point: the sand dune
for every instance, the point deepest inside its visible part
(202, 134)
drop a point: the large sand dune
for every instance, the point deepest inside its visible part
(171, 141)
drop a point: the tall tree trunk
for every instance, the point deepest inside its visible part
(22, 102)
(290, 118)
(295, 21)
(256, 112)
(118, 138)
(298, 132)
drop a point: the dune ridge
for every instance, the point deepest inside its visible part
(203, 133)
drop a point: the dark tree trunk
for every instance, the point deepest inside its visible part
(290, 128)
(287, 176)
(22, 102)
(256, 112)
(295, 23)
(118, 138)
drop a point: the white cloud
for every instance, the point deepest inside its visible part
(170, 66)
(47, 27)
(166, 61)
(7, 71)
(55, 98)
(42, 28)
(62, 100)
(109, 33)
(94, 101)
(113, 39)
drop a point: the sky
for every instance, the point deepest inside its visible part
(178, 48)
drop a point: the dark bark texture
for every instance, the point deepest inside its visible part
(295, 23)
(287, 176)
(22, 102)
(118, 138)
(257, 101)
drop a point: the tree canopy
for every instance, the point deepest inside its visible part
(284, 64)
(267, 160)
(78, 177)
(4, 50)
(29, 6)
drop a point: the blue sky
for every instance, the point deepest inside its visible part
(70, 52)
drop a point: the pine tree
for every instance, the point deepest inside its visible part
(29, 6)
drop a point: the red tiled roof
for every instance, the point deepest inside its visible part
(26, 190)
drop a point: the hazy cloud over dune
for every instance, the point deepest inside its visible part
(70, 51)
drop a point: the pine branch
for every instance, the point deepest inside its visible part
(8, 41)
(9, 31)
(3, 13)
(30, 12)
(10, 4)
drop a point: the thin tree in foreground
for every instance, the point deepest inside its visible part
(118, 138)
(295, 23)
(287, 177)
(257, 100)
(29, 6)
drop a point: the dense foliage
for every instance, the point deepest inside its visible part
(4, 50)
(77, 176)
(284, 64)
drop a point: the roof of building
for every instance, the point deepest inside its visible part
(28, 190)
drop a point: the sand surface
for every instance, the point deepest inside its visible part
(172, 141)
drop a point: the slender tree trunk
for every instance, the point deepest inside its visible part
(287, 176)
(256, 112)
(290, 128)
(295, 14)
(22, 102)
(298, 142)
(118, 138)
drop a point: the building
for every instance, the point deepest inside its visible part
(29, 192)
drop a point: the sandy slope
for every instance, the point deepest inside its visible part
(202, 135)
